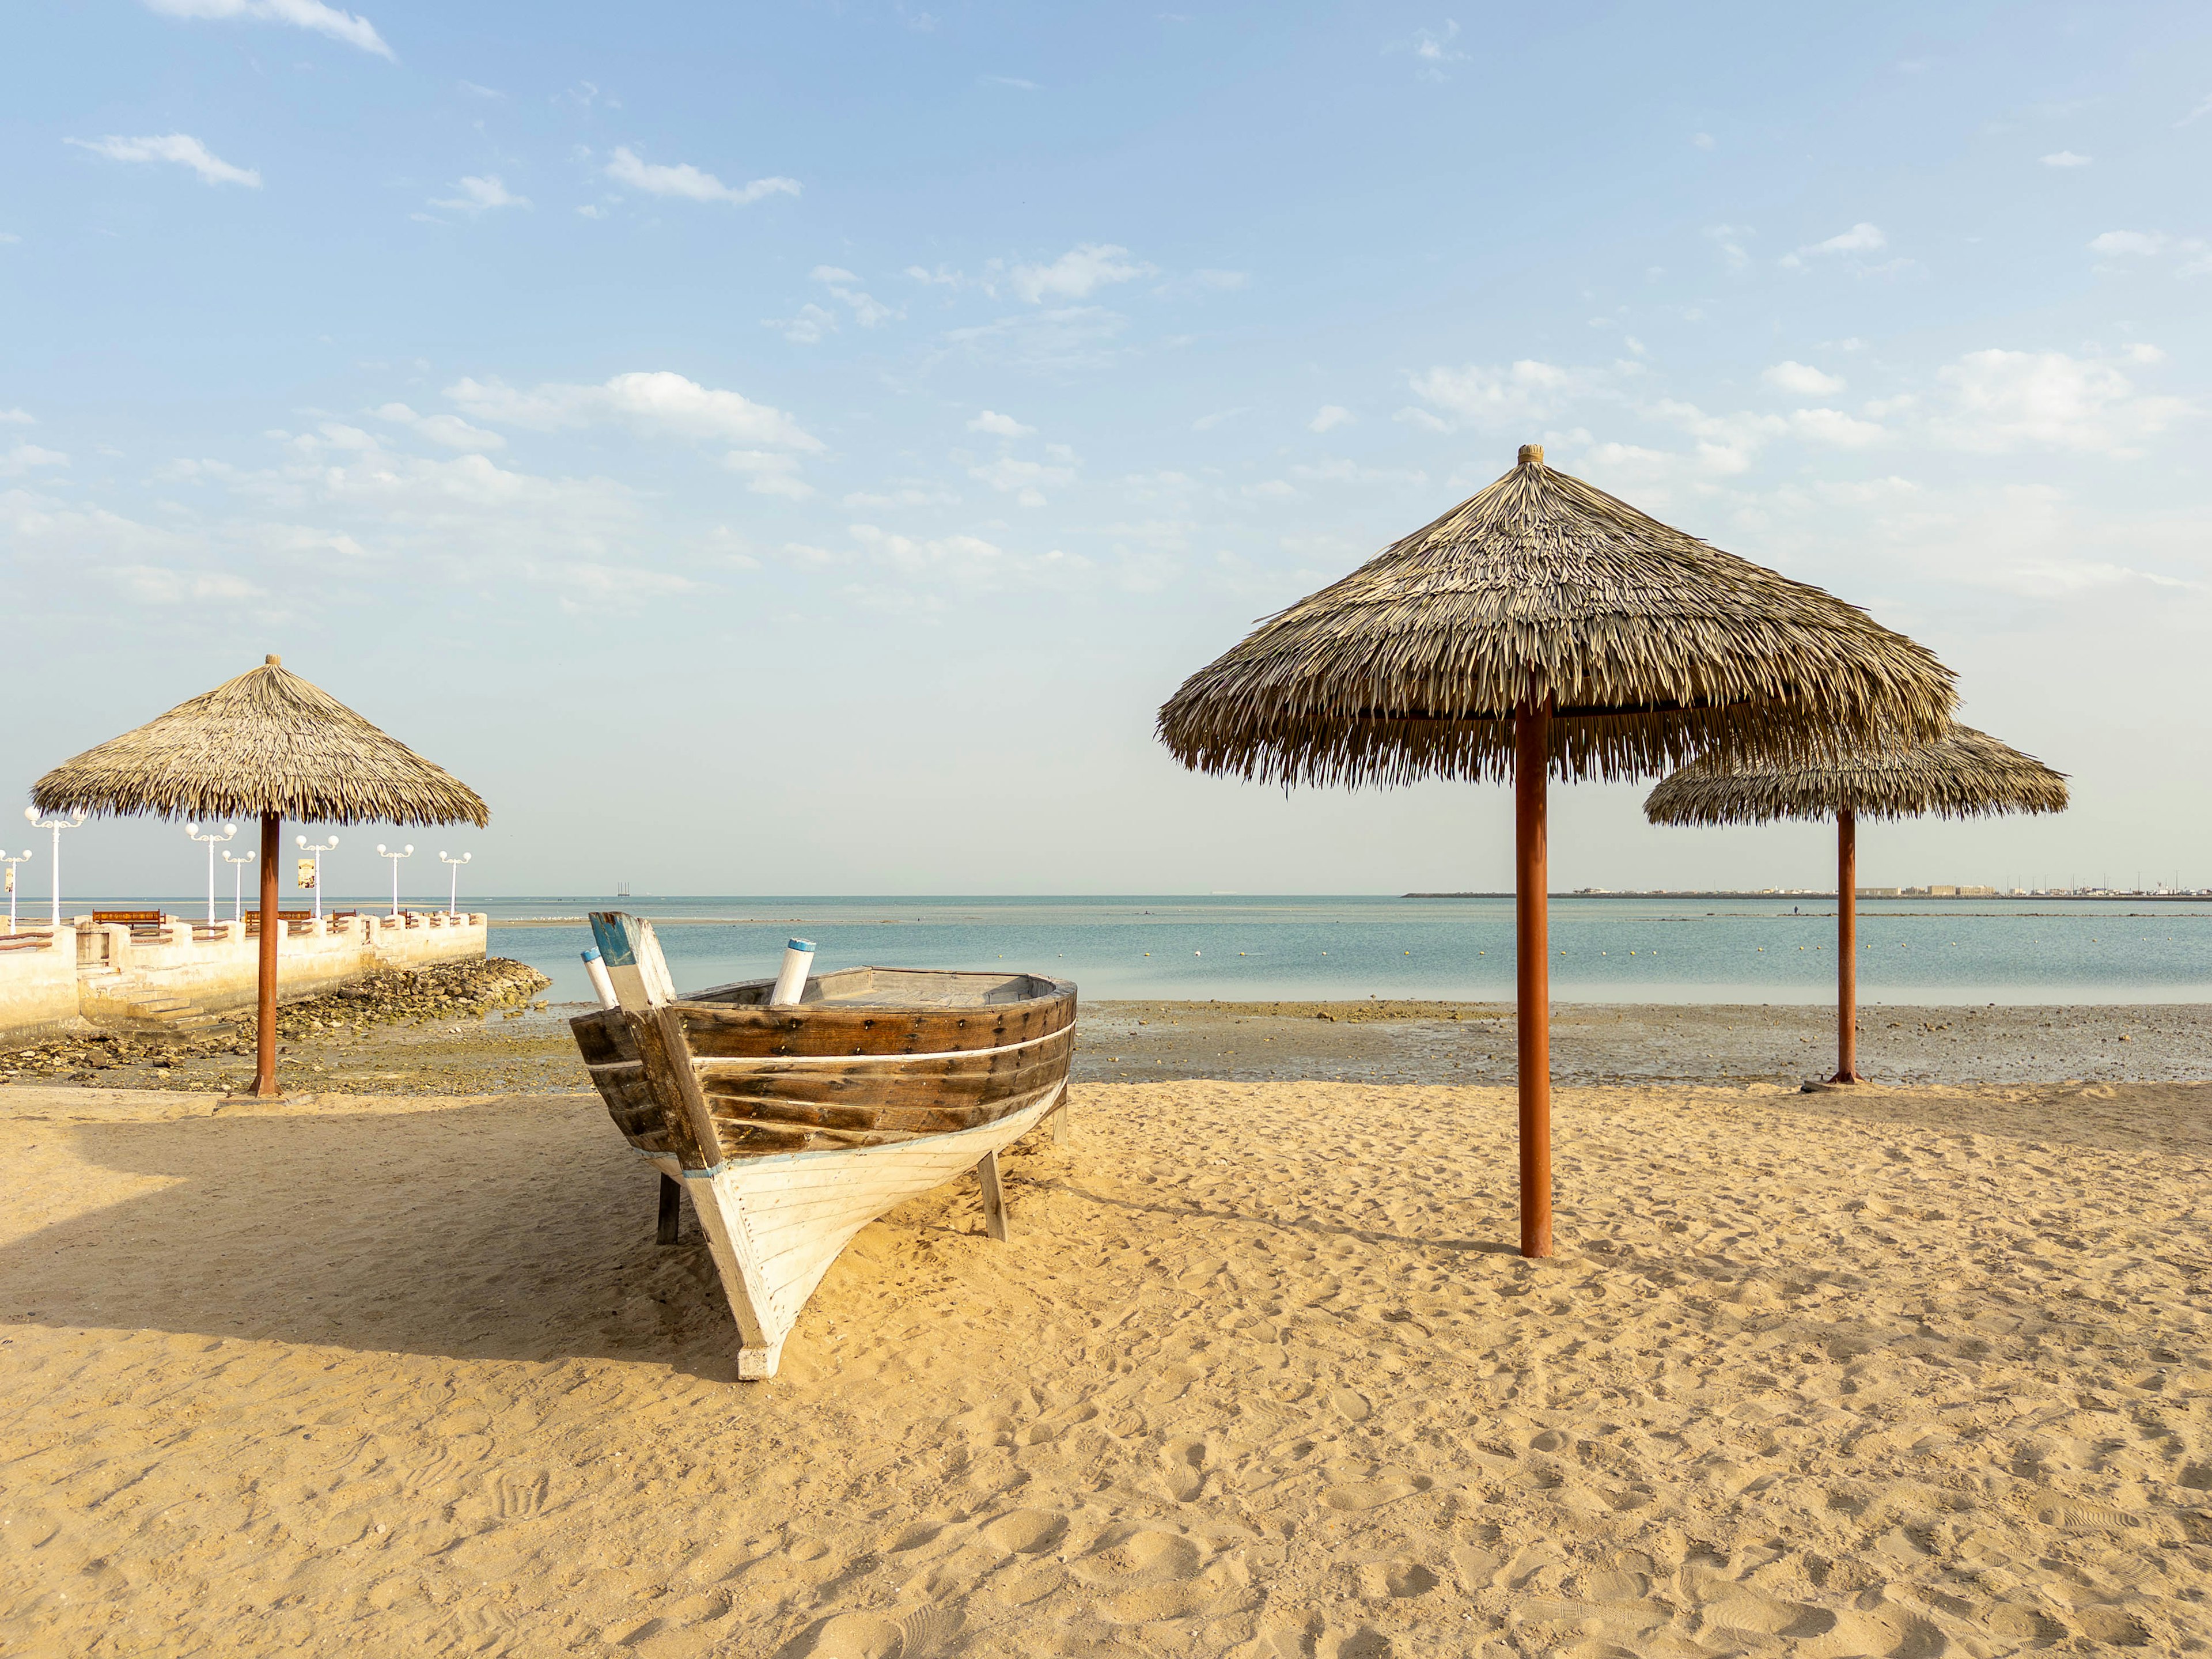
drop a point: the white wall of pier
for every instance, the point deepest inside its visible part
(82, 973)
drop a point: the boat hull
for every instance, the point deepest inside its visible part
(792, 1127)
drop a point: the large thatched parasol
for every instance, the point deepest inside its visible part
(1963, 774)
(266, 744)
(1542, 625)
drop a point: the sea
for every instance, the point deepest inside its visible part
(1604, 949)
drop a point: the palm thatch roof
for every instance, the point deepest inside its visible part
(1657, 647)
(1964, 774)
(265, 742)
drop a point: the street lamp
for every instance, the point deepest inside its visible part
(11, 861)
(315, 851)
(452, 888)
(237, 861)
(56, 824)
(210, 838)
(384, 852)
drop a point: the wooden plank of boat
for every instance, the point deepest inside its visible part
(794, 1126)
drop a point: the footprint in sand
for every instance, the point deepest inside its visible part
(1141, 1558)
(930, 1630)
(1372, 1494)
(1186, 1468)
(1352, 1407)
(849, 1636)
(517, 1495)
(1396, 1579)
(1025, 1532)
(911, 1536)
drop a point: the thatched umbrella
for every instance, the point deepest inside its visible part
(1964, 774)
(266, 744)
(1542, 625)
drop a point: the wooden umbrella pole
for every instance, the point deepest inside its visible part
(1847, 948)
(264, 1045)
(1532, 746)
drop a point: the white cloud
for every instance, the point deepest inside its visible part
(179, 147)
(1730, 239)
(474, 90)
(1062, 337)
(1023, 480)
(1834, 428)
(2143, 244)
(920, 494)
(1860, 237)
(1077, 272)
(14, 463)
(17, 417)
(689, 183)
(151, 584)
(1525, 391)
(966, 562)
(1270, 489)
(1702, 140)
(2197, 114)
(1337, 469)
(1002, 426)
(1013, 80)
(1433, 48)
(657, 401)
(805, 326)
(867, 311)
(450, 430)
(1222, 281)
(2005, 400)
(300, 14)
(1329, 416)
(2065, 158)
(480, 193)
(1800, 380)
(772, 474)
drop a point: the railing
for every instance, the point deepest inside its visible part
(26, 940)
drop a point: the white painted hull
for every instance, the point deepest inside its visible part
(775, 1223)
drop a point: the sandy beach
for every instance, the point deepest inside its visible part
(1904, 1372)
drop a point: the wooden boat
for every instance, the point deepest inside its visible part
(792, 1127)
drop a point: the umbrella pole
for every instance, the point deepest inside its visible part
(265, 1044)
(1532, 746)
(1847, 948)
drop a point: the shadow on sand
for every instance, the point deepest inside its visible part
(520, 1228)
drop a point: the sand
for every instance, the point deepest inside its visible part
(1909, 1373)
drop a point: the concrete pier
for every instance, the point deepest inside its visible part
(182, 974)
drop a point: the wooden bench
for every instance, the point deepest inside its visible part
(132, 918)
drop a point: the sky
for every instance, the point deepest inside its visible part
(797, 449)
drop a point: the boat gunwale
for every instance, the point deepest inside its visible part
(1048, 1100)
(699, 1000)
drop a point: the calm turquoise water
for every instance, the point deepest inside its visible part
(1604, 950)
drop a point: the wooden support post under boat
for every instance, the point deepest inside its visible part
(1058, 1116)
(670, 1222)
(994, 1198)
(1532, 745)
(265, 1035)
(1847, 948)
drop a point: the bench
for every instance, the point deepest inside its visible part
(132, 917)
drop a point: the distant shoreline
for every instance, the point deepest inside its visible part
(1829, 894)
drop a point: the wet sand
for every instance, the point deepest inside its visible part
(1901, 1372)
(508, 1048)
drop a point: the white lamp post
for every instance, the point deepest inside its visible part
(56, 824)
(211, 839)
(315, 851)
(384, 852)
(454, 887)
(11, 862)
(237, 861)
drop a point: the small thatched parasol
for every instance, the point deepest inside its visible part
(1963, 774)
(1542, 625)
(270, 745)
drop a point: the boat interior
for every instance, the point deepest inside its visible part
(889, 988)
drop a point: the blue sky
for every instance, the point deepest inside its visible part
(797, 449)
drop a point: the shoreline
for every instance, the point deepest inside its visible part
(498, 1045)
